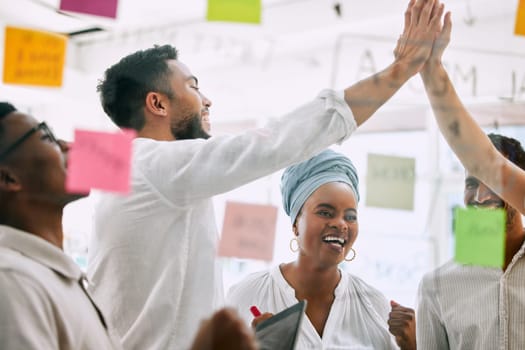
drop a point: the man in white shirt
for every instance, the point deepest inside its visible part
(152, 255)
(43, 300)
(472, 307)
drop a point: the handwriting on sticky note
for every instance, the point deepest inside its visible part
(246, 11)
(105, 8)
(480, 236)
(248, 231)
(390, 182)
(33, 57)
(100, 160)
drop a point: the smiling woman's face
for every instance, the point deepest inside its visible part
(327, 224)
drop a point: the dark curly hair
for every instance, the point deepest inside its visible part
(5, 109)
(510, 148)
(125, 85)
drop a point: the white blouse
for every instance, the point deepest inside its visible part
(357, 319)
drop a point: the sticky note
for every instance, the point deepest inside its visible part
(390, 182)
(519, 28)
(100, 160)
(480, 236)
(33, 57)
(248, 231)
(103, 8)
(245, 11)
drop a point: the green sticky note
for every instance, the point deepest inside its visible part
(390, 182)
(480, 236)
(245, 11)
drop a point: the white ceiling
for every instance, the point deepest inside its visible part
(279, 16)
(299, 35)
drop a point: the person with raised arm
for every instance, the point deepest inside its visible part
(466, 138)
(152, 256)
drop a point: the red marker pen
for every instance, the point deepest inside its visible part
(255, 311)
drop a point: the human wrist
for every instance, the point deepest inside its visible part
(432, 66)
(400, 71)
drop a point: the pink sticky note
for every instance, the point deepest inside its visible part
(248, 231)
(104, 8)
(100, 160)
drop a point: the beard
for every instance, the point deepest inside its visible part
(190, 129)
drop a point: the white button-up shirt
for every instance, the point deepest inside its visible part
(465, 307)
(152, 257)
(42, 303)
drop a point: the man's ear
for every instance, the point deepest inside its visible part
(156, 104)
(9, 182)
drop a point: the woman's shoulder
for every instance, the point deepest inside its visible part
(254, 283)
(253, 289)
(253, 279)
(358, 285)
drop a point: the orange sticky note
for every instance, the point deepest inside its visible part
(33, 57)
(519, 29)
(100, 160)
(248, 231)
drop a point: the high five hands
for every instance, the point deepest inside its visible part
(422, 27)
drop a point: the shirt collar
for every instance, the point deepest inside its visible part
(39, 250)
(520, 253)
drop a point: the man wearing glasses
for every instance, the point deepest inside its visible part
(43, 300)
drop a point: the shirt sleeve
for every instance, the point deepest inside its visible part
(191, 170)
(430, 331)
(26, 315)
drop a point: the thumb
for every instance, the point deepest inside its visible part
(394, 303)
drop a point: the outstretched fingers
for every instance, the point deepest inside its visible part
(447, 27)
(435, 21)
(408, 16)
(401, 42)
(426, 12)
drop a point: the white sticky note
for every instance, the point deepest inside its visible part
(390, 182)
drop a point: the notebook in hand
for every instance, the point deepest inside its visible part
(280, 331)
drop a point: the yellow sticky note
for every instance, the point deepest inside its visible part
(33, 57)
(246, 11)
(519, 29)
(390, 182)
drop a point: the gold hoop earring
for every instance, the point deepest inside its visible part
(353, 257)
(294, 239)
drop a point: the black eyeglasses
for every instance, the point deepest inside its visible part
(42, 126)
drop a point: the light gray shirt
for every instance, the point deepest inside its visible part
(42, 303)
(464, 307)
(152, 255)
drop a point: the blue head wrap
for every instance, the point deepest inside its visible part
(299, 181)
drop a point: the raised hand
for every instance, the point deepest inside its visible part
(441, 42)
(422, 27)
(402, 325)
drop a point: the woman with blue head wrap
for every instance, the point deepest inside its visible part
(343, 312)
